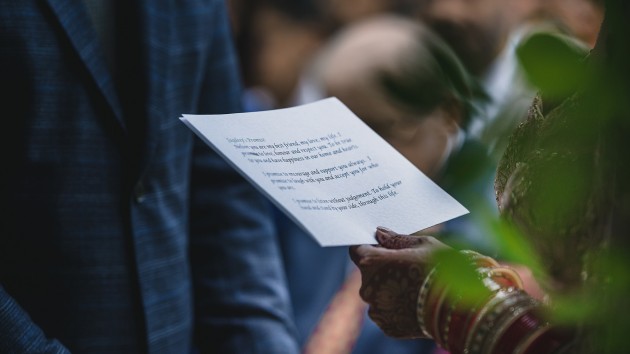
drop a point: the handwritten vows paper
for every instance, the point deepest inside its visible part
(328, 171)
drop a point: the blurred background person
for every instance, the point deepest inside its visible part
(277, 38)
(374, 66)
(579, 18)
(485, 34)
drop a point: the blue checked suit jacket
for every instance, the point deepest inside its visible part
(117, 240)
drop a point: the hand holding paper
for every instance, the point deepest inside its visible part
(328, 171)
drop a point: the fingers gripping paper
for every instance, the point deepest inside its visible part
(327, 171)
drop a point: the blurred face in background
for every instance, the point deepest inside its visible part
(284, 46)
(352, 68)
(476, 29)
(425, 141)
(582, 17)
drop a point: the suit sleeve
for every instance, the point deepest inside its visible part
(241, 300)
(18, 334)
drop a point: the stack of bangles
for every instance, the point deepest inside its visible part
(507, 320)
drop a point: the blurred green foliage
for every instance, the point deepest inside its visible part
(554, 63)
(577, 201)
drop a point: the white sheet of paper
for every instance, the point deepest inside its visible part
(327, 171)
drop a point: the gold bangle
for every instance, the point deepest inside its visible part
(421, 302)
(435, 324)
(523, 345)
(447, 321)
(474, 337)
(495, 312)
(484, 276)
(519, 305)
(507, 273)
(479, 259)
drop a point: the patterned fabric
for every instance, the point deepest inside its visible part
(121, 240)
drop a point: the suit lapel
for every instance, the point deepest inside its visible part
(156, 41)
(75, 21)
(157, 45)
